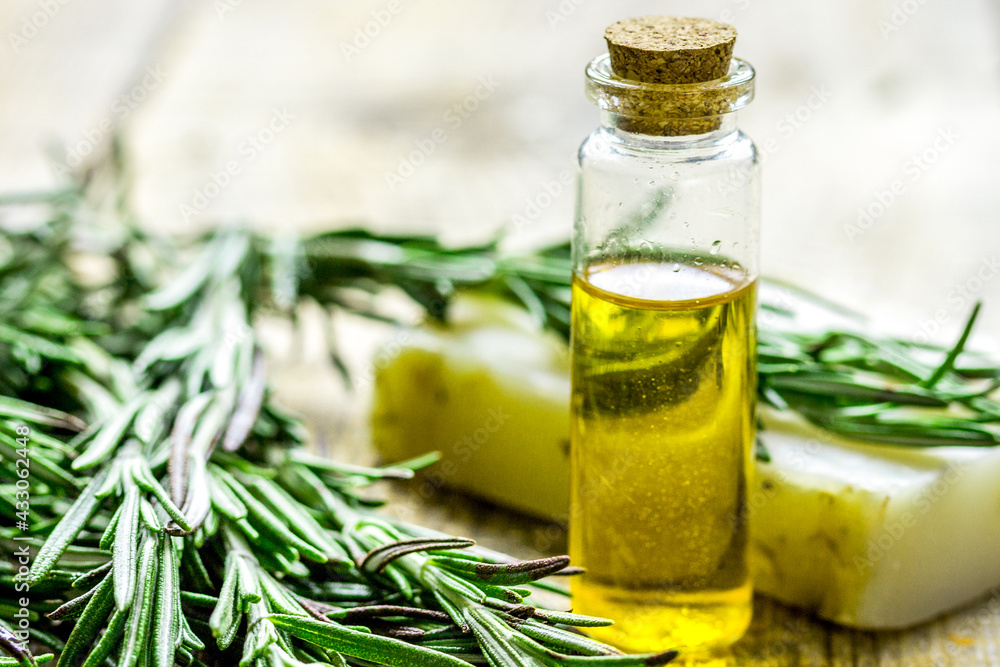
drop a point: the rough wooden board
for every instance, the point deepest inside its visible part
(354, 121)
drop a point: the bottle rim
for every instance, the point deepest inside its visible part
(628, 97)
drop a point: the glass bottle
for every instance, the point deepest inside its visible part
(665, 260)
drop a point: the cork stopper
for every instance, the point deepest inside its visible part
(670, 50)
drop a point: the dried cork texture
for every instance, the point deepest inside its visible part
(670, 49)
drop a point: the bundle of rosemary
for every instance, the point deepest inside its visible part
(174, 513)
(168, 512)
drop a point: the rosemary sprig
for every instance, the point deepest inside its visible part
(333, 268)
(179, 520)
(830, 368)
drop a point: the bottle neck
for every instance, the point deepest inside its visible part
(667, 134)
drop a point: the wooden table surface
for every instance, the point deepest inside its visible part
(300, 113)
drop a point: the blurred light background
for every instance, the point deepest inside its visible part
(877, 119)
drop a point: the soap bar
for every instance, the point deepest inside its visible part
(868, 536)
(491, 393)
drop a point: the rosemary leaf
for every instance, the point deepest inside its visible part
(373, 648)
(66, 531)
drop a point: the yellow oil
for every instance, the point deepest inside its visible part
(664, 385)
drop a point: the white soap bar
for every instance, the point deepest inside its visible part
(864, 535)
(492, 395)
(873, 536)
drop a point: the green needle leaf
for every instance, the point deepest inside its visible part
(166, 624)
(66, 531)
(513, 574)
(35, 414)
(494, 637)
(108, 437)
(379, 557)
(87, 627)
(125, 550)
(137, 641)
(110, 640)
(72, 609)
(949, 361)
(363, 646)
(225, 619)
